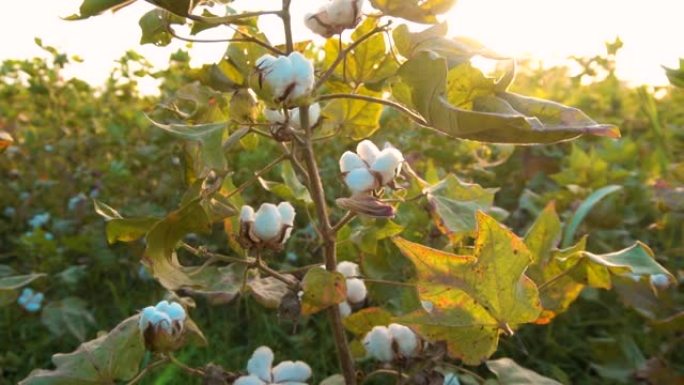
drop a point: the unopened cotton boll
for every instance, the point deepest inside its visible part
(360, 180)
(387, 163)
(348, 269)
(260, 363)
(356, 290)
(406, 339)
(378, 344)
(288, 371)
(267, 222)
(368, 151)
(247, 214)
(345, 309)
(350, 161)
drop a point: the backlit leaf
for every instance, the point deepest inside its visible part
(510, 373)
(419, 11)
(322, 289)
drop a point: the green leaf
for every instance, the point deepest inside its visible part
(154, 26)
(69, 315)
(113, 357)
(469, 299)
(18, 281)
(358, 119)
(510, 373)
(419, 11)
(584, 209)
(179, 7)
(120, 229)
(95, 7)
(322, 289)
(676, 76)
(465, 84)
(454, 203)
(504, 118)
(269, 291)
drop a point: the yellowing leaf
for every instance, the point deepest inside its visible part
(362, 321)
(358, 118)
(419, 11)
(469, 299)
(6, 140)
(322, 289)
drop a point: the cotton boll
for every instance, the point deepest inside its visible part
(661, 281)
(176, 312)
(345, 309)
(356, 290)
(279, 77)
(247, 214)
(314, 113)
(378, 344)
(265, 62)
(274, 116)
(267, 222)
(249, 380)
(368, 151)
(387, 163)
(162, 320)
(291, 371)
(350, 161)
(145, 316)
(260, 363)
(451, 379)
(406, 339)
(360, 180)
(302, 69)
(287, 213)
(344, 12)
(313, 22)
(348, 269)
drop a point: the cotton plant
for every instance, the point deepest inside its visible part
(268, 227)
(162, 325)
(393, 342)
(260, 370)
(334, 17)
(31, 300)
(285, 79)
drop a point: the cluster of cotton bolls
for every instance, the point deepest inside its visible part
(283, 126)
(370, 168)
(269, 226)
(356, 288)
(166, 316)
(260, 370)
(334, 17)
(388, 343)
(285, 78)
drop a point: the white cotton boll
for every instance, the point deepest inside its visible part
(314, 113)
(274, 116)
(162, 320)
(348, 269)
(360, 180)
(378, 344)
(368, 151)
(356, 290)
(267, 222)
(302, 69)
(350, 161)
(280, 76)
(387, 163)
(145, 316)
(287, 213)
(406, 339)
(634, 277)
(451, 379)
(291, 371)
(249, 380)
(343, 12)
(246, 214)
(176, 312)
(311, 21)
(345, 309)
(265, 62)
(661, 281)
(260, 363)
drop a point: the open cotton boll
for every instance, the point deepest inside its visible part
(267, 222)
(356, 290)
(274, 116)
(249, 380)
(344, 12)
(348, 269)
(288, 371)
(173, 309)
(367, 150)
(661, 281)
(316, 22)
(360, 180)
(287, 213)
(387, 163)
(345, 309)
(265, 62)
(378, 344)
(406, 339)
(247, 214)
(351, 161)
(260, 363)
(314, 116)
(451, 379)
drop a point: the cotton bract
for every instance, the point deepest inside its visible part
(261, 372)
(285, 78)
(334, 17)
(381, 341)
(370, 168)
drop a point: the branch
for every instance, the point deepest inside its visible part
(145, 370)
(412, 115)
(229, 19)
(343, 53)
(348, 217)
(186, 368)
(256, 176)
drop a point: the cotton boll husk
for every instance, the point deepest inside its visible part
(249, 380)
(350, 161)
(260, 363)
(387, 163)
(378, 344)
(274, 116)
(451, 379)
(368, 151)
(345, 309)
(287, 213)
(291, 371)
(356, 290)
(267, 222)
(247, 214)
(360, 180)
(348, 269)
(406, 339)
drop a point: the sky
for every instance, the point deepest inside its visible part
(548, 30)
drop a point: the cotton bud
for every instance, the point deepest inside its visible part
(406, 340)
(162, 326)
(270, 226)
(356, 290)
(378, 344)
(660, 281)
(285, 79)
(334, 17)
(348, 269)
(388, 164)
(30, 300)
